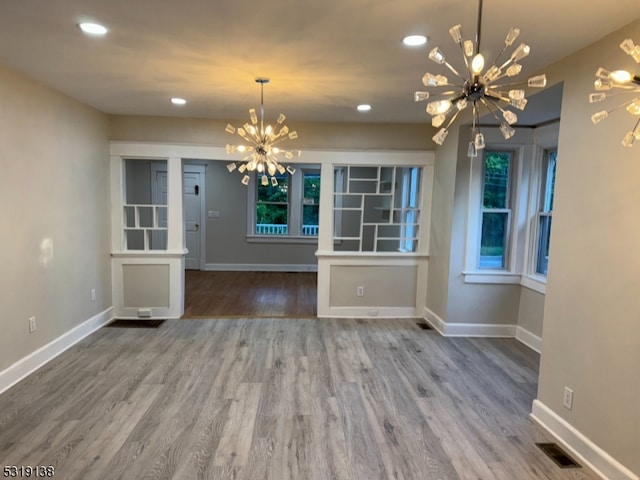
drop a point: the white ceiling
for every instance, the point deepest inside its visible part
(323, 56)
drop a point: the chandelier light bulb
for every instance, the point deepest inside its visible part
(621, 76)
(477, 64)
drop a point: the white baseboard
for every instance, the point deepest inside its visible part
(435, 321)
(531, 340)
(259, 267)
(468, 329)
(367, 312)
(483, 330)
(25, 366)
(579, 445)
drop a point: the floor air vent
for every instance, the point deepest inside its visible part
(558, 455)
(424, 325)
(136, 323)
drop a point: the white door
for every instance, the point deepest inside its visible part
(194, 204)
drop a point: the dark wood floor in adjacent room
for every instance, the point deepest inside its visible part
(281, 399)
(250, 294)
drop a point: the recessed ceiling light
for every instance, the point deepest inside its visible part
(365, 107)
(92, 28)
(178, 101)
(414, 40)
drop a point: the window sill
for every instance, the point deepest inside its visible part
(281, 239)
(492, 277)
(536, 283)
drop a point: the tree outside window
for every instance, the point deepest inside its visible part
(496, 212)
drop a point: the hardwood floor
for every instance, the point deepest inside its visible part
(250, 294)
(281, 399)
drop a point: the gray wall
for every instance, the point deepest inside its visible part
(54, 220)
(311, 135)
(227, 235)
(591, 336)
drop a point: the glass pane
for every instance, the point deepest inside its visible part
(544, 234)
(388, 245)
(368, 238)
(350, 226)
(496, 179)
(277, 194)
(363, 186)
(311, 188)
(157, 239)
(310, 216)
(145, 182)
(363, 172)
(389, 231)
(129, 217)
(161, 217)
(347, 245)
(348, 201)
(146, 217)
(406, 216)
(386, 179)
(551, 180)
(271, 219)
(376, 208)
(134, 239)
(493, 241)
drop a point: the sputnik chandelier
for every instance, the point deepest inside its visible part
(262, 154)
(627, 84)
(475, 88)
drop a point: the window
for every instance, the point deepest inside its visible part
(376, 209)
(543, 216)
(496, 211)
(145, 205)
(288, 210)
(310, 202)
(272, 207)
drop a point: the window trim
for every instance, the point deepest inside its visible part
(294, 210)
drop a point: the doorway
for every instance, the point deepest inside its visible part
(193, 202)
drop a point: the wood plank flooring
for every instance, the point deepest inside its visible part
(281, 399)
(250, 294)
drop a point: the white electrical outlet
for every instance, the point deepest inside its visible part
(32, 324)
(360, 291)
(567, 400)
(93, 294)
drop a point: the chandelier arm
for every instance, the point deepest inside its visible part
(454, 71)
(622, 105)
(464, 57)
(496, 103)
(453, 118)
(510, 84)
(484, 102)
